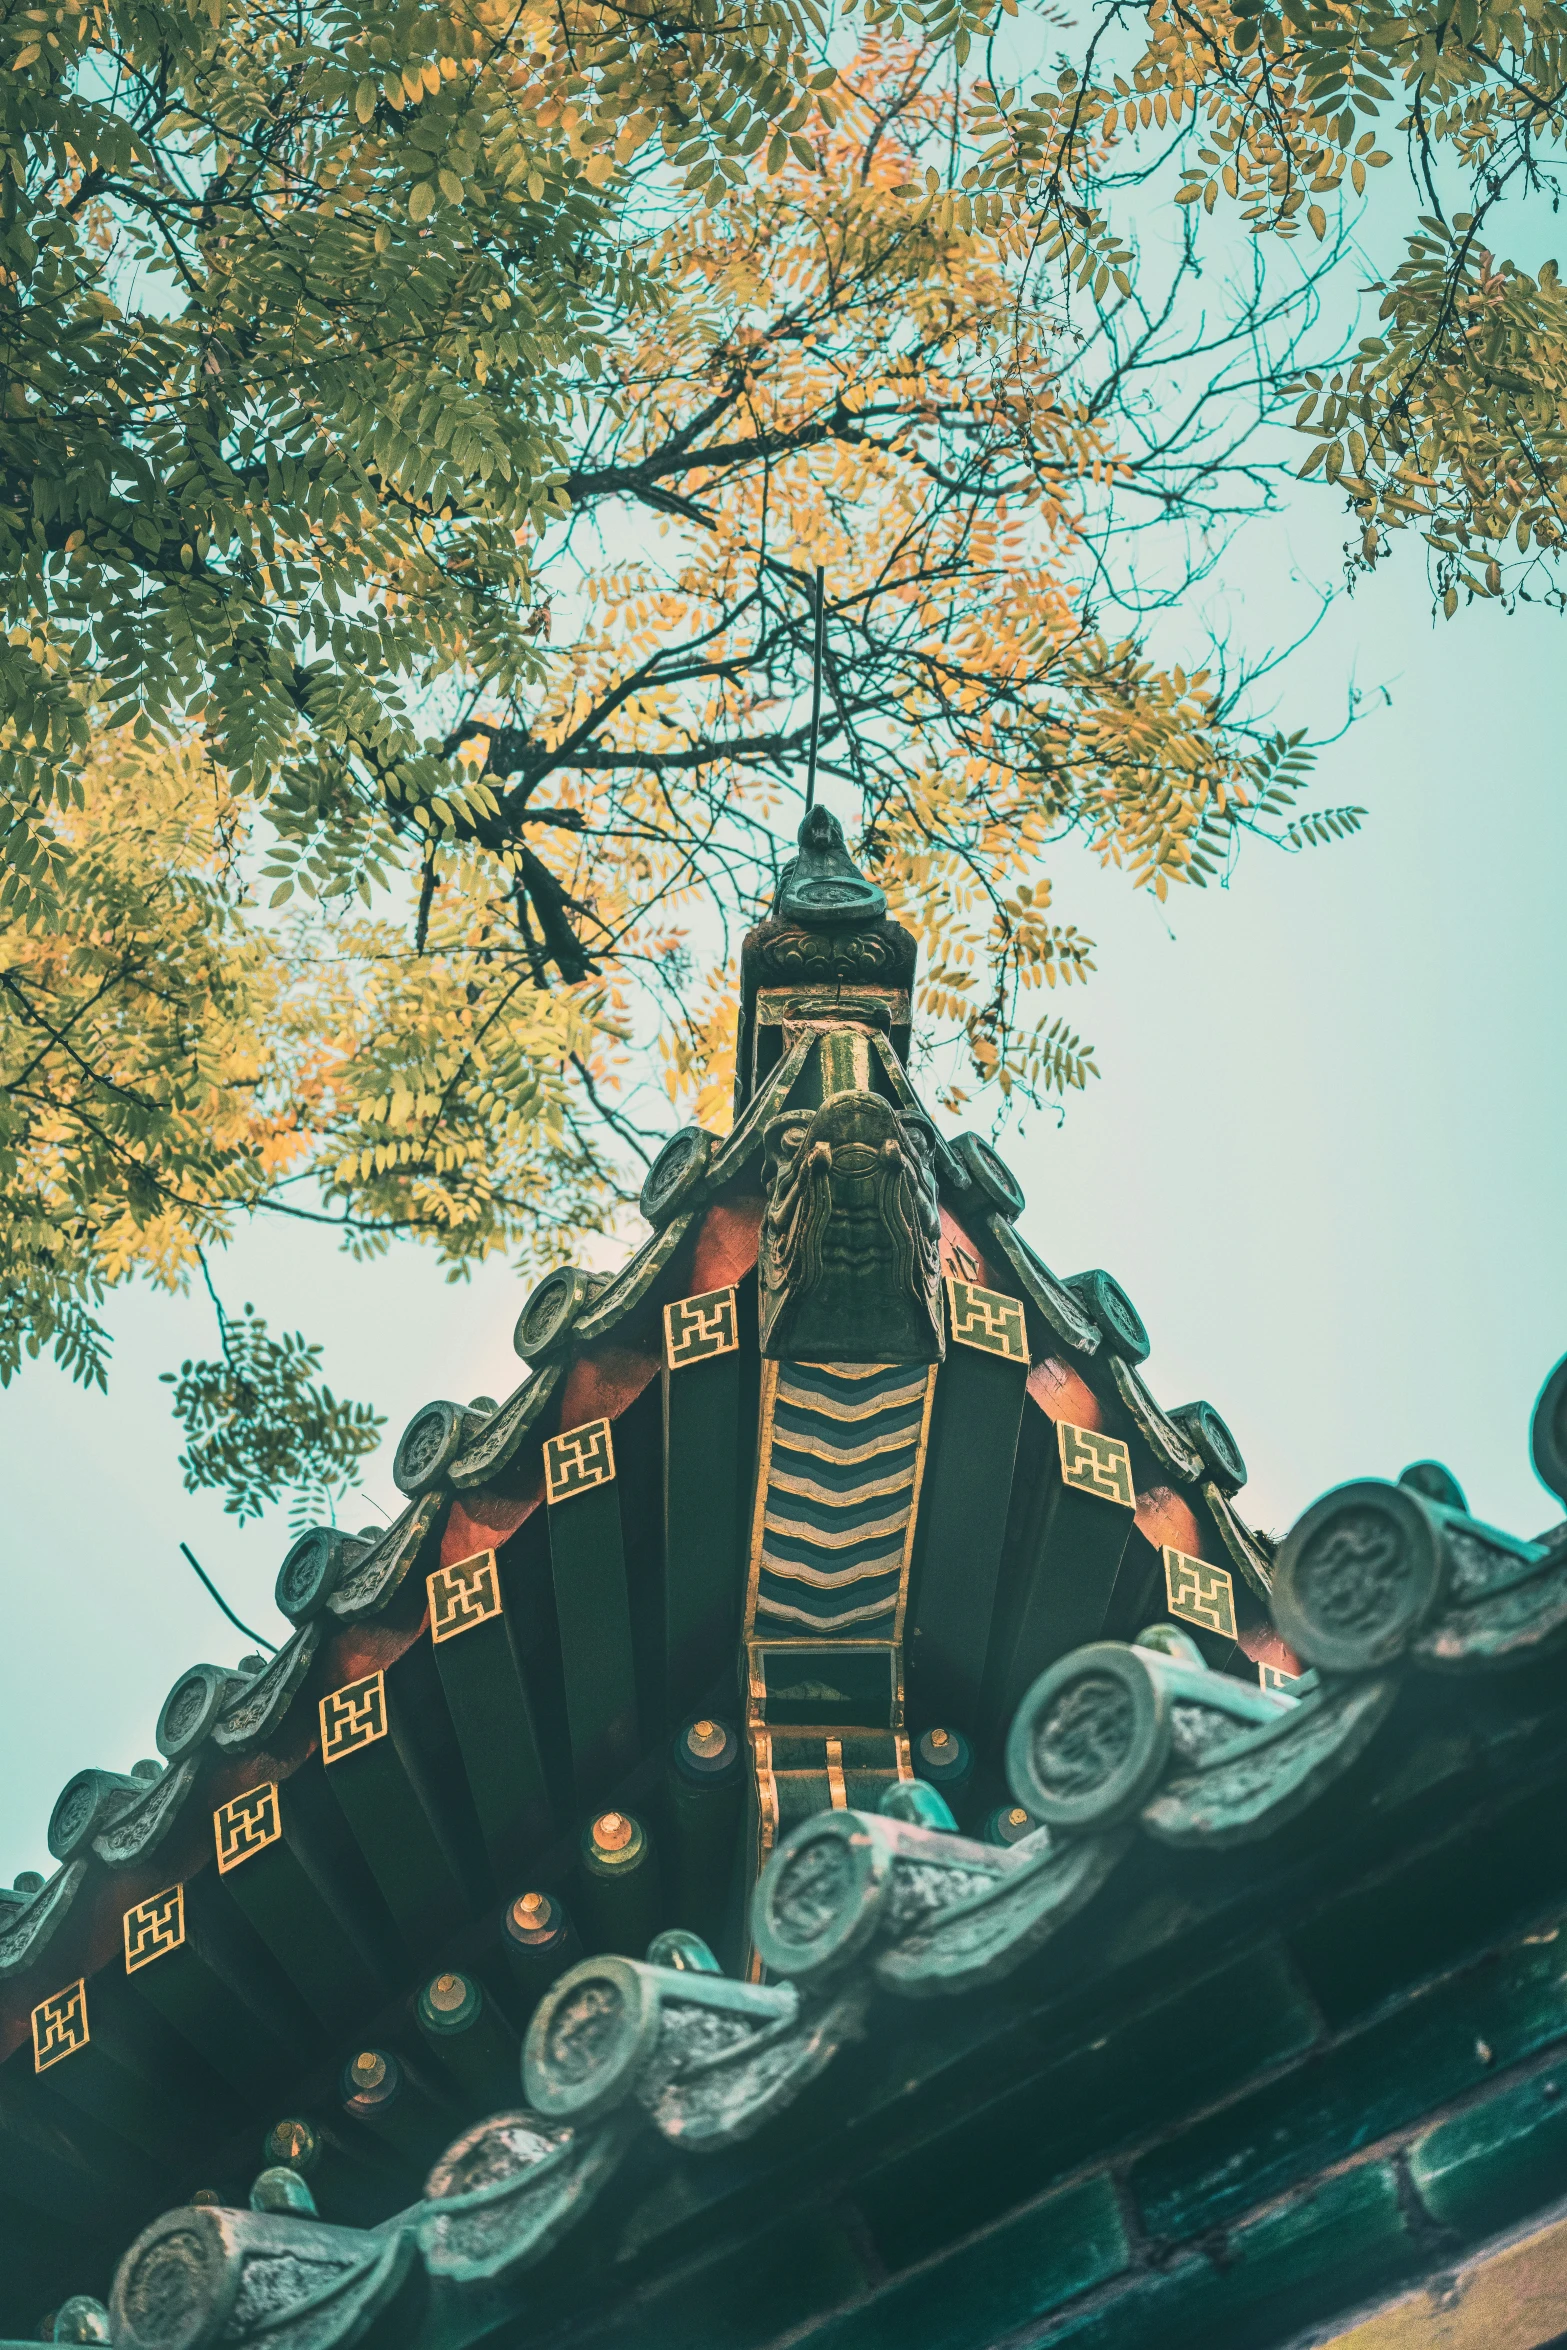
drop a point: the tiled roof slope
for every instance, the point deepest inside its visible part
(474, 1480)
(835, 1397)
(1263, 2026)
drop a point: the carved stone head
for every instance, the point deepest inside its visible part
(849, 1259)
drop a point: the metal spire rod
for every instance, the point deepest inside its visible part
(819, 598)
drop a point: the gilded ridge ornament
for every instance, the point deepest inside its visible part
(986, 1320)
(849, 1258)
(698, 1328)
(353, 1716)
(1092, 1462)
(577, 1460)
(463, 1595)
(154, 1927)
(1201, 1593)
(246, 1825)
(60, 2026)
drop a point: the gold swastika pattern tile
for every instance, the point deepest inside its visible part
(246, 1825)
(1097, 1464)
(154, 1927)
(1275, 1677)
(697, 1328)
(463, 1595)
(577, 1460)
(1199, 1593)
(987, 1320)
(59, 2026)
(353, 1716)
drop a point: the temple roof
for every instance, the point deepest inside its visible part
(835, 1419)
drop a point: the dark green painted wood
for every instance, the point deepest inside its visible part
(747, 2294)
(704, 1803)
(35, 2253)
(1494, 2163)
(124, 2081)
(1064, 1550)
(473, 2048)
(619, 1900)
(492, 1714)
(292, 1895)
(224, 1995)
(390, 1802)
(1011, 2126)
(962, 1533)
(1436, 1906)
(1011, 2276)
(48, 2166)
(381, 2094)
(1138, 1597)
(349, 2173)
(587, 1555)
(539, 1940)
(704, 1508)
(1309, 2260)
(1417, 2057)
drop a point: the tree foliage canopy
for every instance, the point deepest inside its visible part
(423, 428)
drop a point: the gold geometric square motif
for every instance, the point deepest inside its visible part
(1097, 1464)
(987, 1320)
(1199, 1592)
(154, 1927)
(697, 1328)
(1275, 1677)
(353, 1716)
(463, 1595)
(246, 1825)
(577, 1460)
(59, 2026)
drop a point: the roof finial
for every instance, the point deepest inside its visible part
(819, 607)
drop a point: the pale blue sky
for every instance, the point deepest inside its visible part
(1323, 1159)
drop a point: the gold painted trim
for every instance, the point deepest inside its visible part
(873, 1530)
(900, 1741)
(491, 1615)
(835, 1786)
(764, 1462)
(1199, 1608)
(164, 1949)
(846, 1414)
(825, 1578)
(708, 1353)
(798, 1615)
(846, 1456)
(560, 1459)
(833, 1496)
(375, 1680)
(1078, 1480)
(766, 1796)
(838, 1000)
(914, 1504)
(1512, 2297)
(237, 1860)
(848, 1370)
(977, 1290)
(41, 2063)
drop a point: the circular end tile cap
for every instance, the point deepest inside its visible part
(1090, 1739)
(676, 1175)
(1357, 1576)
(1118, 1321)
(1548, 1433)
(590, 2036)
